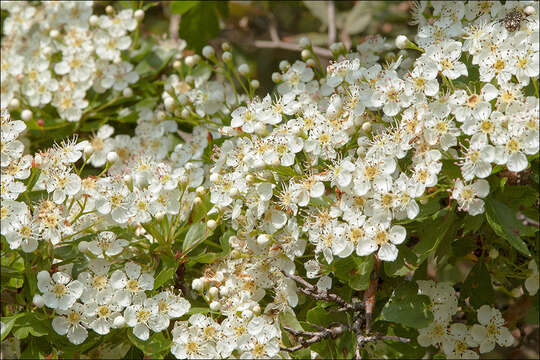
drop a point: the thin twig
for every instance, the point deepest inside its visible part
(314, 336)
(527, 221)
(331, 22)
(318, 294)
(369, 295)
(174, 26)
(264, 44)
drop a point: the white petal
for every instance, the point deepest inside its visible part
(388, 252)
(397, 234)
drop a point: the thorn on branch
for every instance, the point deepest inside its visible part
(306, 338)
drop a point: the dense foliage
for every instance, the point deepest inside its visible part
(158, 202)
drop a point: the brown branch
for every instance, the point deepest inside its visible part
(314, 336)
(264, 44)
(369, 294)
(527, 221)
(318, 294)
(331, 22)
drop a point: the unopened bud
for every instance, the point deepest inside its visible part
(88, 150)
(276, 77)
(26, 115)
(213, 292)
(306, 54)
(366, 127)
(304, 42)
(139, 15)
(54, 33)
(93, 20)
(215, 306)
(169, 103)
(177, 64)
(200, 191)
(243, 69)
(109, 9)
(197, 284)
(263, 239)
(127, 92)
(211, 224)
(226, 56)
(310, 62)
(197, 201)
(284, 65)
(14, 104)
(401, 41)
(255, 84)
(112, 157)
(208, 52)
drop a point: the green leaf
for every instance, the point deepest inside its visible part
(407, 308)
(472, 224)
(156, 344)
(8, 322)
(503, 221)
(430, 239)
(399, 267)
(477, 286)
(200, 25)
(360, 276)
(31, 324)
(181, 7)
(288, 318)
(164, 276)
(195, 235)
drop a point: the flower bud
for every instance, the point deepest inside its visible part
(235, 254)
(169, 103)
(197, 201)
(516, 292)
(366, 127)
(223, 291)
(243, 69)
(139, 15)
(93, 20)
(112, 157)
(401, 41)
(214, 178)
(83, 246)
(14, 104)
(208, 52)
(226, 56)
(54, 33)
(250, 178)
(276, 77)
(26, 115)
(306, 54)
(284, 65)
(255, 84)
(127, 178)
(225, 46)
(263, 239)
(233, 191)
(304, 42)
(127, 92)
(215, 306)
(213, 292)
(529, 10)
(177, 64)
(185, 113)
(159, 216)
(211, 224)
(256, 309)
(109, 9)
(310, 62)
(190, 60)
(197, 284)
(88, 150)
(200, 190)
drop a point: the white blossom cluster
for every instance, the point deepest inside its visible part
(454, 338)
(100, 302)
(54, 52)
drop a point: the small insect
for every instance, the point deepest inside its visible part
(512, 20)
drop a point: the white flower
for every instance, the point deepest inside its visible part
(107, 244)
(378, 236)
(73, 323)
(446, 55)
(135, 282)
(436, 333)
(491, 330)
(456, 346)
(167, 306)
(469, 197)
(60, 292)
